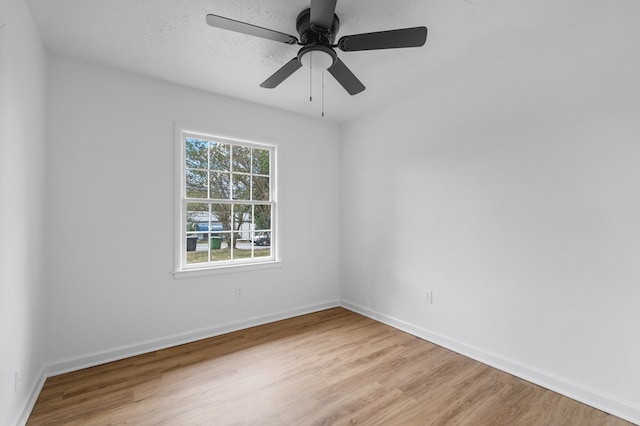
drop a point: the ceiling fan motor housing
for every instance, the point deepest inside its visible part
(310, 34)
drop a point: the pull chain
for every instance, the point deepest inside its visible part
(311, 82)
(310, 76)
(323, 93)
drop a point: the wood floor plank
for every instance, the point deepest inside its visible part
(332, 367)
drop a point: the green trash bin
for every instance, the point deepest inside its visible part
(215, 243)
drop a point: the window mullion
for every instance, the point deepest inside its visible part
(233, 236)
(225, 201)
(209, 169)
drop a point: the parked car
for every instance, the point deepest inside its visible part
(262, 240)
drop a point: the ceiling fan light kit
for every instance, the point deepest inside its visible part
(317, 58)
(317, 29)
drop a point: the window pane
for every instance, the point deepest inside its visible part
(260, 161)
(260, 188)
(219, 247)
(241, 187)
(262, 217)
(196, 248)
(220, 186)
(225, 247)
(220, 255)
(196, 155)
(197, 213)
(242, 219)
(241, 159)
(221, 214)
(262, 244)
(243, 247)
(220, 156)
(196, 184)
(242, 229)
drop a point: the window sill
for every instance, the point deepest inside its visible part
(227, 269)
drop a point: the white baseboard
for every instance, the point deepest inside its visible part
(27, 406)
(624, 409)
(115, 354)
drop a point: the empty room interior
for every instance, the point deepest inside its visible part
(319, 212)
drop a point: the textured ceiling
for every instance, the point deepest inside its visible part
(170, 40)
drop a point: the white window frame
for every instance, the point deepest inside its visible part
(182, 269)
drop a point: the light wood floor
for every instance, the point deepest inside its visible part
(330, 367)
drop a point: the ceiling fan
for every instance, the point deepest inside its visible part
(318, 27)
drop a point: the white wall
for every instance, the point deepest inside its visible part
(512, 193)
(22, 124)
(110, 215)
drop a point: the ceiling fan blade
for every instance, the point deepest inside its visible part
(282, 74)
(392, 39)
(254, 30)
(322, 12)
(346, 78)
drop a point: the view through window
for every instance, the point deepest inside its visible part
(228, 207)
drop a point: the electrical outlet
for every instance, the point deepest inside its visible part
(428, 297)
(239, 292)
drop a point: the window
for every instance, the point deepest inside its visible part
(227, 202)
